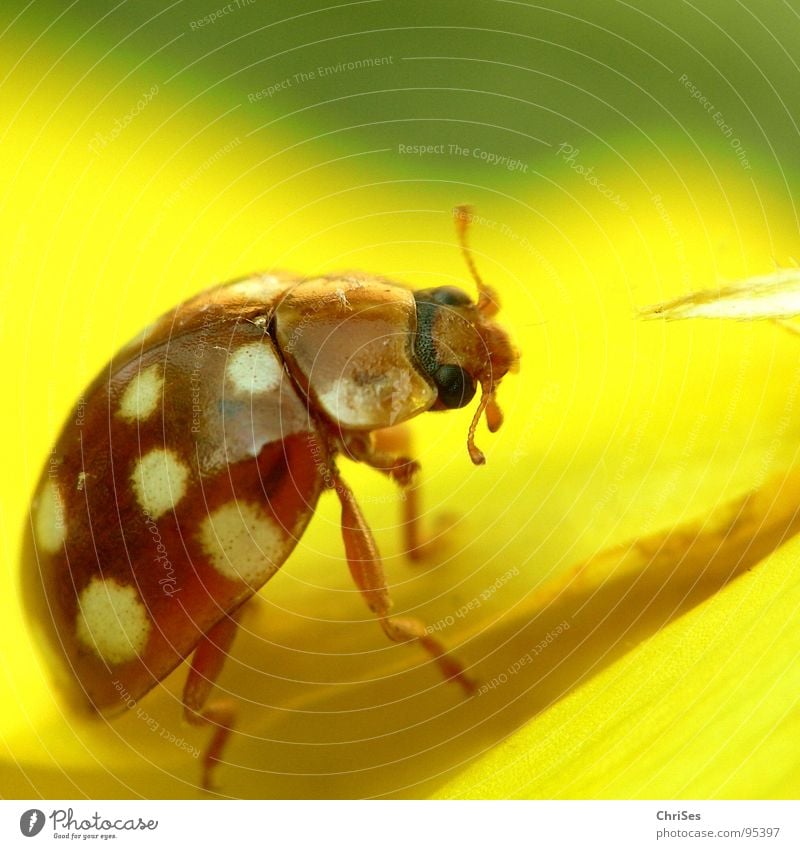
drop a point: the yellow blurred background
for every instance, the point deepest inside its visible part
(145, 156)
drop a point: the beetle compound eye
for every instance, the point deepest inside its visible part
(443, 296)
(456, 386)
(450, 296)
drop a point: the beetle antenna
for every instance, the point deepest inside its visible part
(487, 299)
(487, 397)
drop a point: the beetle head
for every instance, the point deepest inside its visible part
(460, 347)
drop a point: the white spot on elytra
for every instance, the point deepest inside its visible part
(258, 288)
(112, 620)
(159, 481)
(243, 542)
(254, 368)
(142, 395)
(50, 522)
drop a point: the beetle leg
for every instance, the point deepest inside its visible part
(207, 662)
(387, 451)
(367, 571)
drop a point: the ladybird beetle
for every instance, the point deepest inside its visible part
(189, 469)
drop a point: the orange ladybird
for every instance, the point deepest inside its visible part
(205, 444)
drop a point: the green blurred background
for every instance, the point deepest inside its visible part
(513, 78)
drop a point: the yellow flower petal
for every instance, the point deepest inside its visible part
(706, 708)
